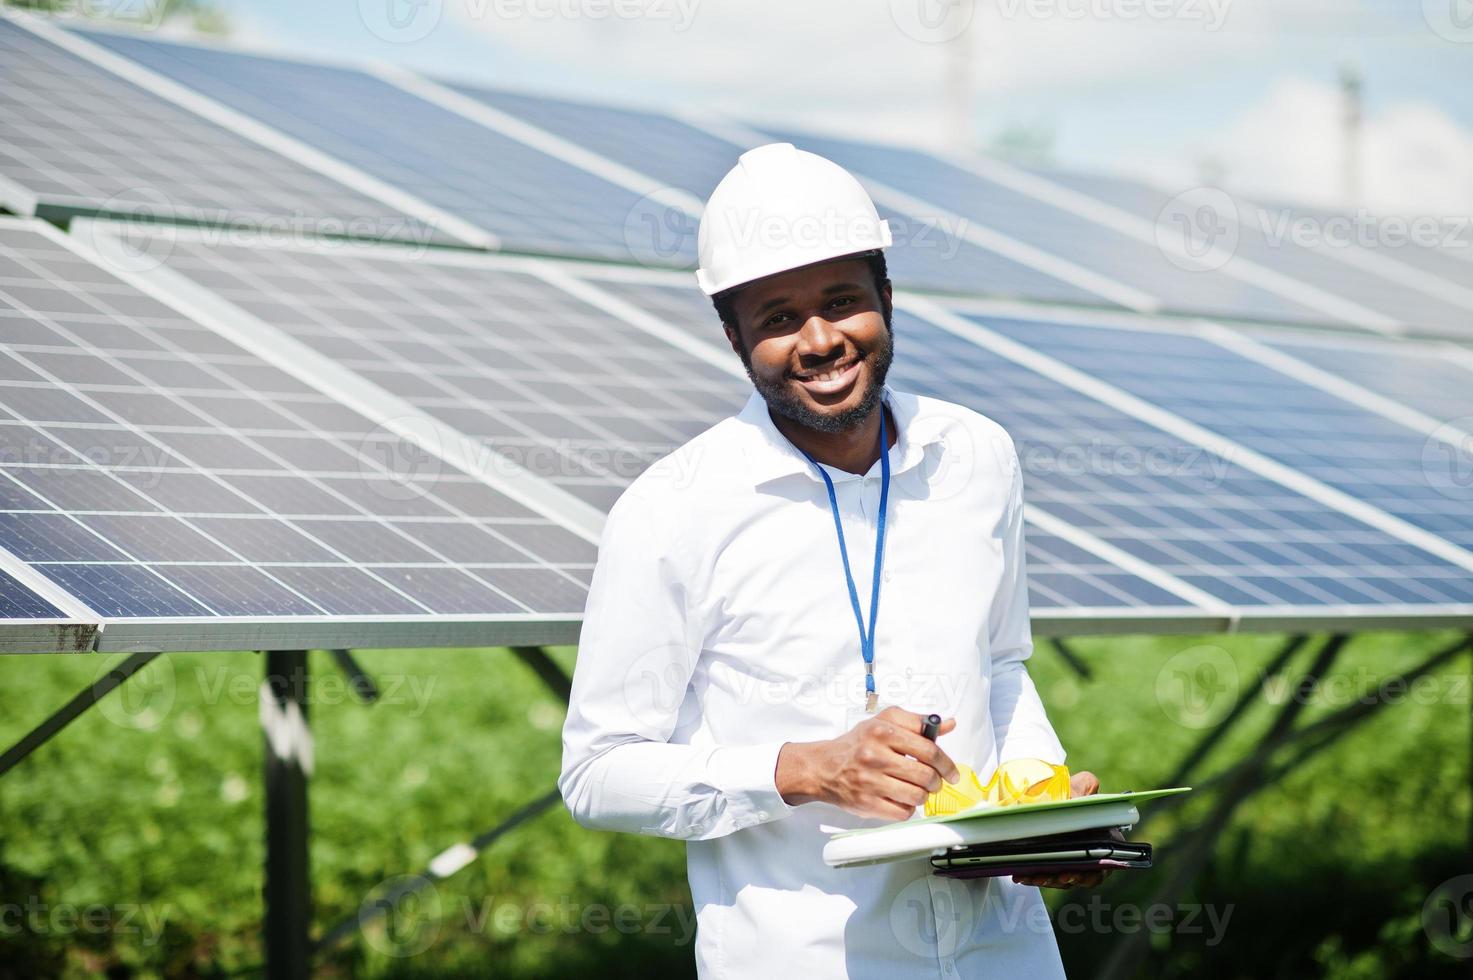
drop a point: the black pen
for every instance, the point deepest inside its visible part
(932, 723)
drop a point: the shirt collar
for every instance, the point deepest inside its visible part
(770, 455)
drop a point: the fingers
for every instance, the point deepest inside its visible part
(912, 722)
(1084, 783)
(1072, 879)
(922, 749)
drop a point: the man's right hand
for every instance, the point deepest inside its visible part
(882, 767)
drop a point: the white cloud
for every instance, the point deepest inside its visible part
(1415, 159)
(837, 64)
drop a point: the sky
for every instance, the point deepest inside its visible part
(1178, 91)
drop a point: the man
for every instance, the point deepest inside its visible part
(736, 686)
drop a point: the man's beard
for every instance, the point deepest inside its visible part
(785, 402)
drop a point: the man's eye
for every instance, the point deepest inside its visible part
(772, 320)
(842, 301)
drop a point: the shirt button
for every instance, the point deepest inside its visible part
(761, 814)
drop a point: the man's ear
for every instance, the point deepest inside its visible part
(733, 338)
(887, 297)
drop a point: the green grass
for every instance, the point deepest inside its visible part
(148, 811)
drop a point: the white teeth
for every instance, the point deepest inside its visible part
(828, 375)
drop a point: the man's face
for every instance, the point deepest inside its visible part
(821, 321)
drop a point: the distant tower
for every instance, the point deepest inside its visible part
(958, 94)
(1350, 135)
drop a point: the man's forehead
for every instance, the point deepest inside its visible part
(810, 280)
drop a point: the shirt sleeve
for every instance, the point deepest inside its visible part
(636, 655)
(1019, 721)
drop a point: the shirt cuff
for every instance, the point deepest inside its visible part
(747, 776)
(1032, 745)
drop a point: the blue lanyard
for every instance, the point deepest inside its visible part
(866, 639)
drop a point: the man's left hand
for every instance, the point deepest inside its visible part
(1080, 784)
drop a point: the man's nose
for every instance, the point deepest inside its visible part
(819, 336)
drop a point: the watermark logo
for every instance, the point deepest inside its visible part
(1447, 917)
(1451, 20)
(400, 21)
(1198, 230)
(144, 15)
(654, 685)
(658, 231)
(1211, 14)
(401, 458)
(143, 700)
(932, 916)
(1197, 687)
(1100, 458)
(679, 13)
(145, 240)
(1362, 229)
(932, 21)
(39, 918)
(1447, 459)
(401, 916)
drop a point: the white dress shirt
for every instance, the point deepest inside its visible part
(719, 627)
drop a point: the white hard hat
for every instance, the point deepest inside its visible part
(780, 208)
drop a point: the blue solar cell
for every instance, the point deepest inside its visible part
(926, 254)
(1145, 491)
(79, 138)
(1062, 576)
(530, 200)
(1300, 242)
(132, 591)
(1319, 434)
(19, 602)
(1056, 231)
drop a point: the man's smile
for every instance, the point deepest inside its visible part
(831, 379)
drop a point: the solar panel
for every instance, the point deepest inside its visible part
(530, 200)
(927, 254)
(19, 602)
(1433, 380)
(566, 391)
(1437, 246)
(1059, 232)
(155, 470)
(1319, 434)
(1303, 242)
(81, 139)
(587, 405)
(1219, 528)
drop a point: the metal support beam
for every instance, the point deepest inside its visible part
(1071, 658)
(287, 889)
(546, 668)
(363, 686)
(1245, 700)
(85, 699)
(440, 868)
(1193, 849)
